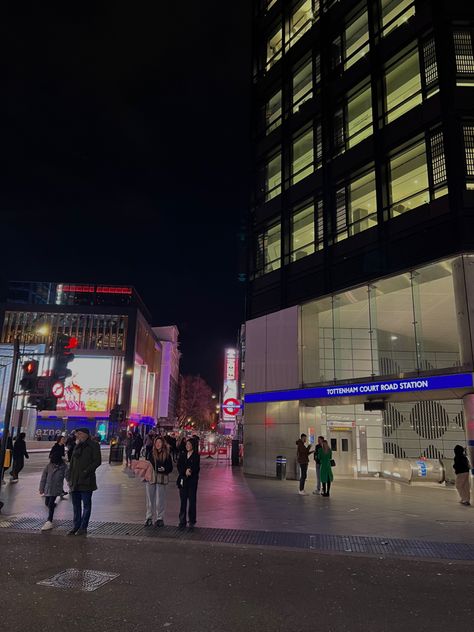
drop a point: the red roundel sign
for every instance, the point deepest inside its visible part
(57, 389)
(231, 406)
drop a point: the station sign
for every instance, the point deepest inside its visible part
(367, 389)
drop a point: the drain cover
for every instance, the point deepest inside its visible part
(75, 579)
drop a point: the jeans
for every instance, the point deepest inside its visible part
(304, 473)
(155, 501)
(50, 502)
(81, 514)
(318, 477)
(187, 495)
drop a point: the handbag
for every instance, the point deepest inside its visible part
(333, 463)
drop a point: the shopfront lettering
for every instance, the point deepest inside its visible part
(433, 383)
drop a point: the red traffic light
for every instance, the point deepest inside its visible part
(72, 344)
(30, 367)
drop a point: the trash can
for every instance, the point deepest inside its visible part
(116, 454)
(281, 467)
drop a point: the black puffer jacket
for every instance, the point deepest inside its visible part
(461, 462)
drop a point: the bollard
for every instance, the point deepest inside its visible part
(281, 467)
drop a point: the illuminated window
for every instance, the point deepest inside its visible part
(469, 151)
(394, 13)
(302, 83)
(464, 51)
(273, 177)
(268, 250)
(273, 112)
(269, 4)
(353, 122)
(409, 185)
(302, 233)
(356, 40)
(356, 206)
(301, 20)
(274, 48)
(402, 86)
(302, 163)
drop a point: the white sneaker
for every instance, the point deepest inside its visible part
(316, 492)
(47, 526)
(302, 493)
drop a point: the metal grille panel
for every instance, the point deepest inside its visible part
(387, 547)
(429, 61)
(464, 52)
(77, 579)
(438, 161)
(469, 149)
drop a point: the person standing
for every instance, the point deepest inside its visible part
(326, 468)
(317, 459)
(51, 484)
(189, 464)
(160, 459)
(137, 445)
(19, 455)
(59, 451)
(461, 467)
(70, 444)
(85, 460)
(302, 457)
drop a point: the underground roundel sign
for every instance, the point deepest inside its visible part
(231, 406)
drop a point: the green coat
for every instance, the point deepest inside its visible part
(326, 469)
(85, 460)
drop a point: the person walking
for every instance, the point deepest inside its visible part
(19, 455)
(128, 449)
(70, 445)
(326, 474)
(461, 468)
(189, 464)
(137, 445)
(162, 464)
(51, 484)
(317, 459)
(302, 457)
(86, 458)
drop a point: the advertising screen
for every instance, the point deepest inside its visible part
(230, 402)
(87, 390)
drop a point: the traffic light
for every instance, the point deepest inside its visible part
(29, 375)
(63, 356)
(46, 392)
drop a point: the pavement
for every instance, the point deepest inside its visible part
(187, 587)
(188, 582)
(229, 500)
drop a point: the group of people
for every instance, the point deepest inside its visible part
(323, 461)
(155, 471)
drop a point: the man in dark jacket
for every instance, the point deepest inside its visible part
(19, 455)
(317, 459)
(302, 457)
(85, 460)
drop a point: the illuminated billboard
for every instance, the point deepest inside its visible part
(87, 390)
(230, 400)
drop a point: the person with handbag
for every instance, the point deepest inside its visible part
(325, 457)
(162, 465)
(188, 468)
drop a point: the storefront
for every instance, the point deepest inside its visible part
(401, 346)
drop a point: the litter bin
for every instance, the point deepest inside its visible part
(281, 467)
(116, 454)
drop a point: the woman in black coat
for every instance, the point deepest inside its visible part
(188, 469)
(19, 455)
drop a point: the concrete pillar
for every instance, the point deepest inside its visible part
(463, 277)
(468, 401)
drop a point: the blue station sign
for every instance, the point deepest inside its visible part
(367, 389)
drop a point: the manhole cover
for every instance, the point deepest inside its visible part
(75, 579)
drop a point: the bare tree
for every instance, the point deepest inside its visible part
(195, 403)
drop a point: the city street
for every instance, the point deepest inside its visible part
(228, 499)
(175, 581)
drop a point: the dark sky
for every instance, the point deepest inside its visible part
(125, 157)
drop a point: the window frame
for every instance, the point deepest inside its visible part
(387, 28)
(260, 261)
(341, 137)
(343, 227)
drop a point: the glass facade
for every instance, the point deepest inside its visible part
(394, 13)
(302, 155)
(403, 325)
(302, 85)
(402, 86)
(409, 184)
(273, 177)
(302, 233)
(268, 250)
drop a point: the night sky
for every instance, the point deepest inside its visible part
(125, 157)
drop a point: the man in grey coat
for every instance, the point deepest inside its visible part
(85, 460)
